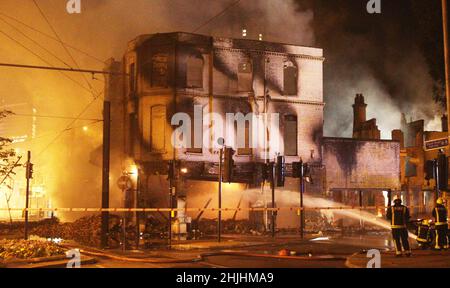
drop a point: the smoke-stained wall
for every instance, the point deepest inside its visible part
(359, 164)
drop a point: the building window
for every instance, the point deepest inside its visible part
(290, 78)
(158, 128)
(132, 133)
(132, 83)
(290, 135)
(194, 72)
(159, 70)
(196, 126)
(247, 150)
(245, 77)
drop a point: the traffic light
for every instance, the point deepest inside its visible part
(280, 171)
(228, 165)
(306, 173)
(265, 171)
(297, 169)
(429, 170)
(29, 170)
(170, 170)
(442, 162)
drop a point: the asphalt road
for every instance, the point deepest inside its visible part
(334, 251)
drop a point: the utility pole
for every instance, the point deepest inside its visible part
(105, 172)
(219, 224)
(446, 57)
(29, 175)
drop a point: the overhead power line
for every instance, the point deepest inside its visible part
(60, 68)
(55, 117)
(93, 90)
(42, 59)
(216, 16)
(53, 38)
(35, 42)
(68, 127)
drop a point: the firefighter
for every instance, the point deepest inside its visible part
(399, 217)
(424, 234)
(440, 224)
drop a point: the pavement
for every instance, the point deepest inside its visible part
(419, 259)
(46, 262)
(315, 251)
(243, 252)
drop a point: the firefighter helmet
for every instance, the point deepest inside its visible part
(425, 222)
(440, 201)
(398, 200)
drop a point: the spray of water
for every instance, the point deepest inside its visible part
(289, 198)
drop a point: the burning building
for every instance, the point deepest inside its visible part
(172, 78)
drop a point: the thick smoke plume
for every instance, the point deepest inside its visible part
(388, 57)
(372, 54)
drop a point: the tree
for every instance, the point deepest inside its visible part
(8, 160)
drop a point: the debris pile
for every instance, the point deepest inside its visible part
(86, 230)
(315, 222)
(27, 249)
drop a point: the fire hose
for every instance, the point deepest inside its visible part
(203, 256)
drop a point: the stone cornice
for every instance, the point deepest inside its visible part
(284, 54)
(257, 98)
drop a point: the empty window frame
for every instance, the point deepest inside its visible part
(132, 79)
(290, 135)
(196, 128)
(246, 150)
(160, 70)
(194, 72)
(245, 76)
(158, 128)
(290, 76)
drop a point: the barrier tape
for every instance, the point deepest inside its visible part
(262, 209)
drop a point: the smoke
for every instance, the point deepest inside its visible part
(383, 56)
(63, 158)
(370, 54)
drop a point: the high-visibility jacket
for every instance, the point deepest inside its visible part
(423, 233)
(398, 215)
(440, 215)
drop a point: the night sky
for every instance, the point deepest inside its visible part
(396, 57)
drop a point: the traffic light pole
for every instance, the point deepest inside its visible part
(27, 195)
(436, 179)
(302, 191)
(138, 189)
(105, 172)
(219, 224)
(302, 212)
(171, 176)
(272, 186)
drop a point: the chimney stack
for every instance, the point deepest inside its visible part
(359, 112)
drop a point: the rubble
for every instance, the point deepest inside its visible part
(27, 249)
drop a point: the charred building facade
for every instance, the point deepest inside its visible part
(173, 78)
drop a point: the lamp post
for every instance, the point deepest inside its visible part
(446, 57)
